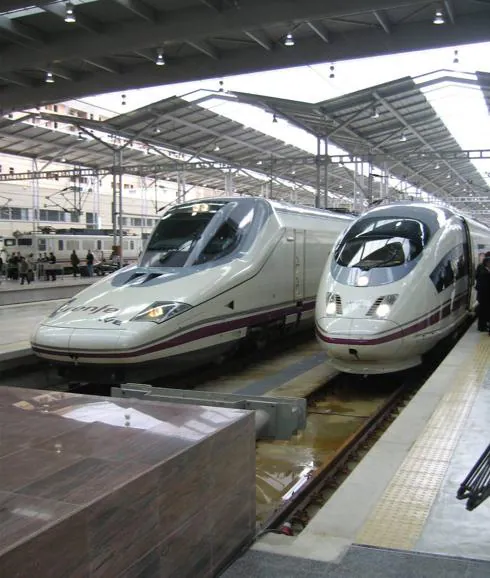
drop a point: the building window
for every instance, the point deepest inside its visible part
(50, 215)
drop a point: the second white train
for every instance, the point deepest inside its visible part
(398, 281)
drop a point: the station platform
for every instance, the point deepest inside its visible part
(16, 324)
(397, 514)
(12, 292)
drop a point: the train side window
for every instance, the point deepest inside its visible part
(60, 244)
(41, 244)
(131, 245)
(10, 242)
(99, 245)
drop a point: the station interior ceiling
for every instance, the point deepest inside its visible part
(53, 51)
(117, 44)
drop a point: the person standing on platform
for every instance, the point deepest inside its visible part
(90, 263)
(51, 269)
(483, 294)
(23, 271)
(30, 267)
(75, 261)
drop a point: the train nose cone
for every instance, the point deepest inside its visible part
(360, 339)
(64, 343)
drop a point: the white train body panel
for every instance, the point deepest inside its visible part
(398, 281)
(270, 278)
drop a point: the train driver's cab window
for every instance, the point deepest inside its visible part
(10, 242)
(377, 251)
(198, 233)
(375, 243)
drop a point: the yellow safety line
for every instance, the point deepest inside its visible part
(399, 517)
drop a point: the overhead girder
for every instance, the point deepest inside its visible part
(410, 127)
(200, 24)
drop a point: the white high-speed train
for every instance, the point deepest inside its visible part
(213, 272)
(398, 281)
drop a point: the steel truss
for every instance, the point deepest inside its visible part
(255, 164)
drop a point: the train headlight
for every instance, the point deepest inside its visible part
(334, 304)
(381, 308)
(161, 311)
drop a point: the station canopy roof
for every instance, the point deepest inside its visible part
(112, 45)
(395, 127)
(392, 126)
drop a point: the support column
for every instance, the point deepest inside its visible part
(326, 174)
(120, 164)
(114, 199)
(229, 185)
(370, 181)
(271, 174)
(35, 199)
(318, 172)
(96, 202)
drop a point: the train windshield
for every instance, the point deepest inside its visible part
(198, 233)
(373, 243)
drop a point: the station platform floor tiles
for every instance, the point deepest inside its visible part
(399, 505)
(16, 325)
(12, 292)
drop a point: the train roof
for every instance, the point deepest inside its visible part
(279, 206)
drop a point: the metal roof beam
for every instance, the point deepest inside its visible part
(217, 134)
(349, 120)
(368, 42)
(106, 64)
(216, 5)
(191, 23)
(260, 38)
(319, 29)
(383, 20)
(20, 33)
(18, 79)
(139, 8)
(204, 47)
(416, 133)
(402, 165)
(448, 5)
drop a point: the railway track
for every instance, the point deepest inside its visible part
(345, 418)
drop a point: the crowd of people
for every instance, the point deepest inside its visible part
(25, 269)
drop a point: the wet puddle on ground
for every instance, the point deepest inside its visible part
(335, 415)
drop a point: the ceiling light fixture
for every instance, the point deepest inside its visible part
(216, 147)
(70, 13)
(439, 17)
(375, 112)
(403, 137)
(332, 71)
(456, 57)
(49, 77)
(289, 40)
(274, 118)
(160, 61)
